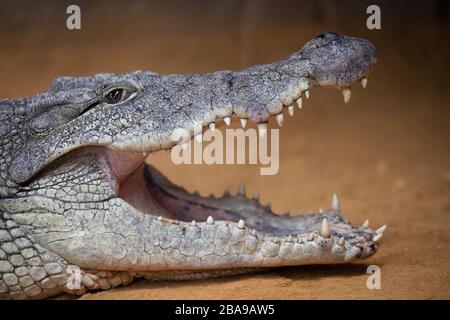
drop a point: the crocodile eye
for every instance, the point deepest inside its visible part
(117, 95)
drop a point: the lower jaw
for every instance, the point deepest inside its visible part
(185, 231)
(148, 191)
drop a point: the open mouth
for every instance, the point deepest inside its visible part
(147, 190)
(112, 203)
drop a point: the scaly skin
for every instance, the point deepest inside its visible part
(74, 192)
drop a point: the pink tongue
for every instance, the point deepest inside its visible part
(119, 166)
(182, 205)
(136, 192)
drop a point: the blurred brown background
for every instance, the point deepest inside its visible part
(387, 153)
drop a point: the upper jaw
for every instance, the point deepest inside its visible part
(167, 103)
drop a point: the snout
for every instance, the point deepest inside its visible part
(339, 61)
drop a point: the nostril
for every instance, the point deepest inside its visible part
(329, 34)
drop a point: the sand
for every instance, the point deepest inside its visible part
(386, 154)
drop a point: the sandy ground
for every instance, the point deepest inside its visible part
(387, 153)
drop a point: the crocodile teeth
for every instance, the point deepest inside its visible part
(325, 228)
(227, 120)
(198, 138)
(255, 195)
(193, 223)
(262, 129)
(159, 218)
(212, 126)
(377, 237)
(307, 94)
(243, 122)
(291, 110)
(299, 102)
(347, 93)
(341, 241)
(335, 203)
(210, 220)
(363, 82)
(365, 224)
(241, 224)
(279, 118)
(381, 229)
(241, 190)
(310, 237)
(289, 238)
(321, 210)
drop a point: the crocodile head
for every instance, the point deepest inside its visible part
(73, 174)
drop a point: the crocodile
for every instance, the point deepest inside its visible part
(81, 210)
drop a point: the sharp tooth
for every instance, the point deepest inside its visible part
(307, 94)
(243, 122)
(289, 238)
(381, 229)
(310, 237)
(241, 190)
(255, 195)
(144, 154)
(212, 126)
(325, 228)
(364, 82)
(279, 118)
(227, 120)
(159, 218)
(365, 224)
(241, 224)
(299, 102)
(347, 93)
(335, 203)
(321, 210)
(341, 241)
(210, 220)
(262, 129)
(377, 237)
(198, 138)
(291, 110)
(193, 223)
(253, 232)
